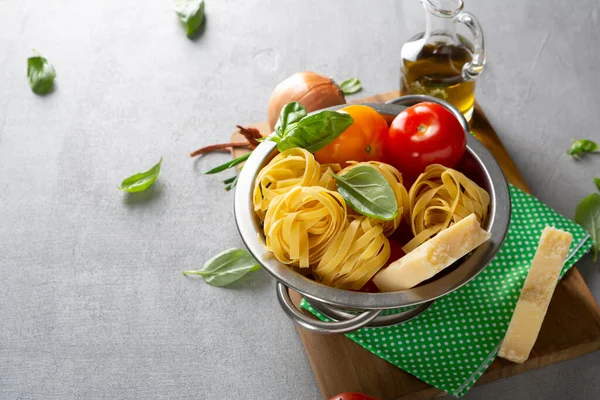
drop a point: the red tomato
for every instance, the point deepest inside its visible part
(426, 133)
(352, 396)
(364, 140)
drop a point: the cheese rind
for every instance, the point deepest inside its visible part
(432, 256)
(536, 294)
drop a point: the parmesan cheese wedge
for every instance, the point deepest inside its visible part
(432, 256)
(536, 294)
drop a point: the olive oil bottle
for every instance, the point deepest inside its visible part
(441, 63)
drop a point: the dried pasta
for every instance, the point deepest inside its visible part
(289, 169)
(355, 256)
(440, 197)
(394, 178)
(301, 224)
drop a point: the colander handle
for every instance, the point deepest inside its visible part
(318, 326)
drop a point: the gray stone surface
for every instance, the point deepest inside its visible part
(92, 300)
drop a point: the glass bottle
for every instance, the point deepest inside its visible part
(441, 63)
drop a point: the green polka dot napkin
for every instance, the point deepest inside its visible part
(452, 343)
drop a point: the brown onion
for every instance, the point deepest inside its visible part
(310, 89)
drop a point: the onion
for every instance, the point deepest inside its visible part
(310, 89)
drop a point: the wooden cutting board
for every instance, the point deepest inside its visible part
(571, 327)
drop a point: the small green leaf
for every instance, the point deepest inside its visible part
(41, 74)
(227, 267)
(351, 86)
(368, 192)
(191, 14)
(597, 182)
(141, 181)
(231, 182)
(229, 164)
(290, 113)
(587, 214)
(313, 132)
(581, 147)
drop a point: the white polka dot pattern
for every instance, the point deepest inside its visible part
(452, 343)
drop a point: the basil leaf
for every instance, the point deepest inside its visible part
(368, 192)
(581, 147)
(226, 267)
(597, 182)
(40, 74)
(229, 164)
(351, 86)
(314, 132)
(290, 113)
(587, 214)
(191, 14)
(141, 181)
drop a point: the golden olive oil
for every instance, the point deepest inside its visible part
(435, 69)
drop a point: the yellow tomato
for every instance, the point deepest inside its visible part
(364, 140)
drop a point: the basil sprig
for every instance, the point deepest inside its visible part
(191, 14)
(295, 129)
(226, 267)
(582, 146)
(351, 86)
(368, 192)
(141, 181)
(311, 132)
(40, 74)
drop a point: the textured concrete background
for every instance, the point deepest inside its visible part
(92, 300)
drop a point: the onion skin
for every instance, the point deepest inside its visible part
(310, 89)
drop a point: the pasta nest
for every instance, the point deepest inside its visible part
(440, 197)
(394, 178)
(301, 224)
(355, 255)
(289, 169)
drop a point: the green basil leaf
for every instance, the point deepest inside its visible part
(141, 181)
(226, 267)
(581, 147)
(229, 164)
(587, 214)
(314, 132)
(368, 192)
(290, 113)
(40, 74)
(191, 14)
(597, 182)
(351, 86)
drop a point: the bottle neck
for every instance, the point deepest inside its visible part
(440, 24)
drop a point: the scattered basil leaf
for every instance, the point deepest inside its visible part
(290, 113)
(368, 192)
(581, 147)
(226, 267)
(229, 164)
(141, 181)
(597, 182)
(191, 14)
(587, 214)
(351, 86)
(313, 132)
(40, 74)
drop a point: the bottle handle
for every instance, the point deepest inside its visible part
(471, 70)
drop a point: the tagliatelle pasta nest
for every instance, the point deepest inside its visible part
(301, 224)
(356, 254)
(289, 169)
(394, 178)
(440, 197)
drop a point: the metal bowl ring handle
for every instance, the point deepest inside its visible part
(318, 326)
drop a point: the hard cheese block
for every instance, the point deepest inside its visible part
(536, 294)
(432, 256)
